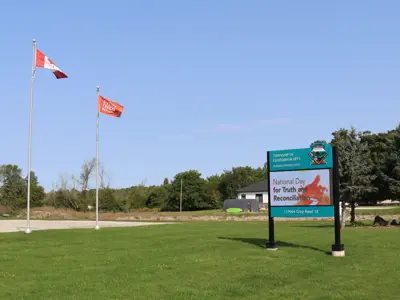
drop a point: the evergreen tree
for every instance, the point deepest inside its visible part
(355, 168)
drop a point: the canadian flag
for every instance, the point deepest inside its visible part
(43, 61)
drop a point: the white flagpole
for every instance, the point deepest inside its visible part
(97, 227)
(28, 197)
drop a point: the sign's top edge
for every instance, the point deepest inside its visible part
(316, 144)
(297, 149)
(329, 167)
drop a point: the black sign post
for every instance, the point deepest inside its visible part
(271, 245)
(338, 247)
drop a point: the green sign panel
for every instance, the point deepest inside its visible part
(317, 156)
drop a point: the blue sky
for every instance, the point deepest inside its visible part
(206, 85)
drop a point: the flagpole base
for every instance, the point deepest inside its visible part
(28, 230)
(97, 227)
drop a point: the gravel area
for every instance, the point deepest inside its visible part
(20, 225)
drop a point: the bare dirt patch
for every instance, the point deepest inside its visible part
(4, 210)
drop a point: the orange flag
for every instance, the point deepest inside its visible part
(110, 108)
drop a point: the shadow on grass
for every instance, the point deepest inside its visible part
(280, 244)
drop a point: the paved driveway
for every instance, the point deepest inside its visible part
(20, 225)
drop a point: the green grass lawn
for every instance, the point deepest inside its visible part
(205, 260)
(372, 210)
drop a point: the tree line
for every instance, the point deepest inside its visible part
(73, 192)
(369, 167)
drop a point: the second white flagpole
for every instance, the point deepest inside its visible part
(97, 160)
(28, 195)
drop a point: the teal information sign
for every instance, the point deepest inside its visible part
(317, 156)
(303, 183)
(300, 182)
(302, 211)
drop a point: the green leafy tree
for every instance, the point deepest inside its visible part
(239, 177)
(65, 194)
(194, 192)
(66, 199)
(122, 198)
(138, 196)
(158, 197)
(355, 169)
(384, 155)
(108, 200)
(37, 192)
(391, 166)
(213, 185)
(13, 190)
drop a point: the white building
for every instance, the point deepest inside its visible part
(258, 191)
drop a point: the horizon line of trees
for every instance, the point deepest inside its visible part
(369, 167)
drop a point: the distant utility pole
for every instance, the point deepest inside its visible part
(180, 202)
